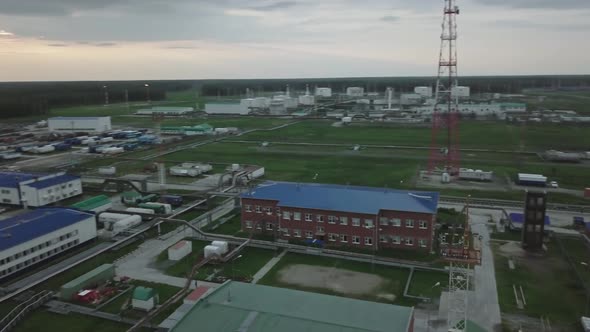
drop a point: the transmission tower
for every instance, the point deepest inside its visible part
(444, 150)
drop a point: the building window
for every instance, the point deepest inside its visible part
(396, 222)
(356, 239)
(248, 224)
(6, 200)
(269, 226)
(395, 239)
(320, 218)
(309, 234)
(344, 221)
(308, 217)
(320, 229)
(368, 241)
(258, 210)
(70, 185)
(383, 221)
(286, 215)
(331, 220)
(369, 223)
(297, 233)
(297, 215)
(383, 238)
(343, 238)
(409, 241)
(356, 221)
(268, 210)
(258, 226)
(423, 224)
(422, 243)
(332, 237)
(409, 223)
(286, 232)
(4, 191)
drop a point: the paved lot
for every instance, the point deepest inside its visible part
(338, 280)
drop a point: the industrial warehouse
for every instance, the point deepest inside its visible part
(98, 124)
(342, 215)
(32, 237)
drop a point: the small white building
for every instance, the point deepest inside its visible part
(460, 91)
(424, 91)
(180, 250)
(355, 91)
(144, 298)
(38, 235)
(96, 124)
(37, 190)
(323, 92)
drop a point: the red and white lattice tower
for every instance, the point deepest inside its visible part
(444, 149)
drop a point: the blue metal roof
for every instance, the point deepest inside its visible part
(52, 181)
(31, 225)
(518, 218)
(12, 179)
(366, 200)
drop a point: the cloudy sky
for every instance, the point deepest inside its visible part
(173, 39)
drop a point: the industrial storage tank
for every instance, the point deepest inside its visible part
(125, 224)
(478, 175)
(111, 217)
(222, 245)
(140, 210)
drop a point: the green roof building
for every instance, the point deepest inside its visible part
(144, 298)
(95, 277)
(237, 306)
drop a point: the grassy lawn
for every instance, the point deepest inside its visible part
(473, 134)
(395, 279)
(508, 235)
(6, 307)
(423, 282)
(244, 267)
(41, 320)
(550, 287)
(230, 227)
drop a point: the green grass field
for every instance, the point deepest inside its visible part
(549, 286)
(473, 134)
(229, 227)
(424, 284)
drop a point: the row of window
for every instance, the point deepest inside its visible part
(368, 223)
(38, 258)
(31, 250)
(5, 191)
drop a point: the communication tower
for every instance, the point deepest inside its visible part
(444, 149)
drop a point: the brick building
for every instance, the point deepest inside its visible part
(363, 217)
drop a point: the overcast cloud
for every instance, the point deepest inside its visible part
(282, 38)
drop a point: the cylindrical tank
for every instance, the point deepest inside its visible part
(111, 217)
(167, 207)
(126, 223)
(222, 245)
(140, 210)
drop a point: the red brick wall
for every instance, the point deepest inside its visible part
(337, 228)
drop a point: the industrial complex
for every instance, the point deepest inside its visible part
(423, 204)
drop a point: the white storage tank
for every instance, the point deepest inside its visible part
(111, 217)
(125, 224)
(347, 119)
(323, 92)
(222, 245)
(167, 207)
(107, 170)
(140, 210)
(212, 252)
(180, 250)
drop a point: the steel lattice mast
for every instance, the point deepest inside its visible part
(444, 150)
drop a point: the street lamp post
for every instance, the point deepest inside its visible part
(233, 277)
(147, 92)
